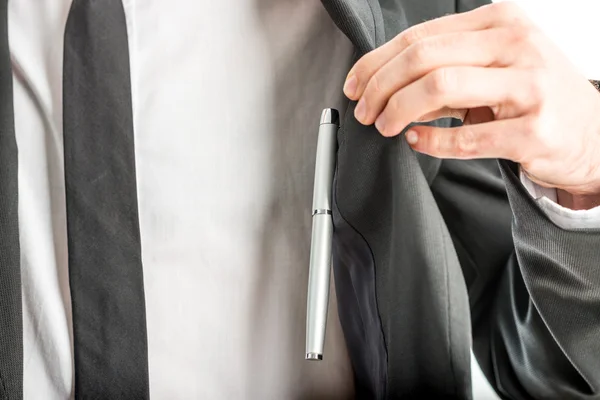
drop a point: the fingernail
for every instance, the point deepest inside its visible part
(412, 137)
(350, 86)
(360, 112)
(380, 123)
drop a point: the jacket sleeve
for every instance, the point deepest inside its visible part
(534, 288)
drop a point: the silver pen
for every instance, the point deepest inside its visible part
(322, 235)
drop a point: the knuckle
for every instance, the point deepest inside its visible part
(416, 55)
(519, 34)
(530, 39)
(435, 145)
(362, 67)
(365, 67)
(411, 36)
(440, 81)
(393, 105)
(538, 86)
(375, 85)
(529, 42)
(465, 142)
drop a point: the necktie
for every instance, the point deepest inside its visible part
(105, 268)
(11, 318)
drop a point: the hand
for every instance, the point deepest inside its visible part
(517, 94)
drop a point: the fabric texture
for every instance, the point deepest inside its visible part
(105, 268)
(11, 318)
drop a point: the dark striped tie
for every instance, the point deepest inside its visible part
(105, 268)
(11, 317)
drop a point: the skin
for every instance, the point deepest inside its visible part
(518, 95)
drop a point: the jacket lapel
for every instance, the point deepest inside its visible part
(402, 298)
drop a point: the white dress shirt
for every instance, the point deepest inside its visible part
(226, 100)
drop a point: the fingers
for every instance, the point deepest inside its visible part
(460, 88)
(493, 15)
(496, 139)
(479, 48)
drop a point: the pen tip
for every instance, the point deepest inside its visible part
(314, 356)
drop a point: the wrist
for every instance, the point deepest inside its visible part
(578, 201)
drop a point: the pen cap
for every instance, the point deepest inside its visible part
(325, 162)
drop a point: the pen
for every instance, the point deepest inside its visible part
(322, 235)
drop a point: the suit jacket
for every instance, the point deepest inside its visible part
(420, 242)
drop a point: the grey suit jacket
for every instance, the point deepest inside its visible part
(419, 242)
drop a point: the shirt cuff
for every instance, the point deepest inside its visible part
(563, 217)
